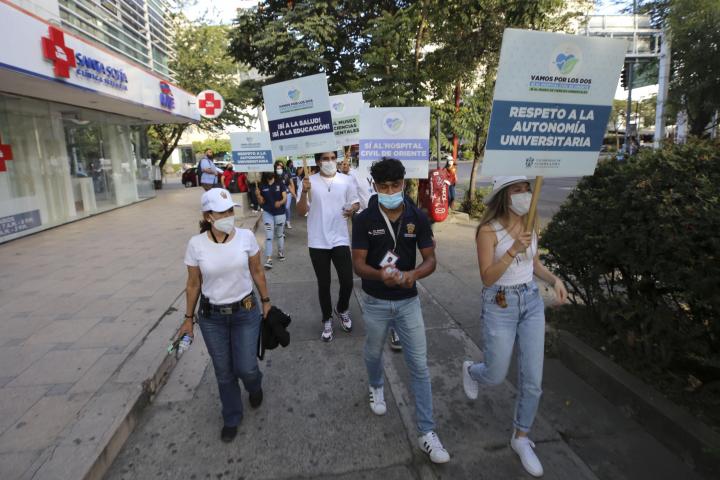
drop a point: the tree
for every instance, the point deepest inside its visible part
(694, 26)
(202, 63)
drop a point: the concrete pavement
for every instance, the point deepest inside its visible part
(315, 421)
(88, 309)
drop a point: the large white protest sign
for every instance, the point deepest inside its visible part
(345, 110)
(299, 118)
(402, 133)
(553, 96)
(251, 152)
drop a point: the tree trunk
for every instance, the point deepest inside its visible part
(476, 162)
(171, 145)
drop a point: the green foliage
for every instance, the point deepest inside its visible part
(202, 62)
(218, 145)
(473, 205)
(637, 244)
(694, 26)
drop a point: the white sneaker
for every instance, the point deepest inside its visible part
(469, 385)
(523, 446)
(345, 320)
(268, 263)
(327, 334)
(430, 444)
(288, 226)
(281, 255)
(377, 401)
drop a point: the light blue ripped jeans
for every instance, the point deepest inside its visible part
(522, 322)
(274, 226)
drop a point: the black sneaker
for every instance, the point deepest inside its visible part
(256, 398)
(394, 340)
(228, 434)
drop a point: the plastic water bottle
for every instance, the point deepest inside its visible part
(184, 344)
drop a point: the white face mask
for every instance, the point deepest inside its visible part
(225, 224)
(328, 168)
(520, 203)
(279, 171)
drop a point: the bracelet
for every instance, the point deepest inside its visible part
(189, 316)
(510, 254)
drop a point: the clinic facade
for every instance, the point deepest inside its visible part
(73, 119)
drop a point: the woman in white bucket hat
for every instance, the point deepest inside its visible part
(513, 313)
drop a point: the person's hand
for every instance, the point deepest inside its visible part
(347, 213)
(186, 328)
(306, 184)
(279, 204)
(560, 291)
(522, 243)
(408, 279)
(266, 309)
(390, 276)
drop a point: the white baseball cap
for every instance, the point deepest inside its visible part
(217, 200)
(498, 183)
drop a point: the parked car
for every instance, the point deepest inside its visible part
(189, 175)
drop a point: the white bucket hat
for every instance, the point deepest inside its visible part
(498, 183)
(217, 200)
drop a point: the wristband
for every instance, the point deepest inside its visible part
(189, 316)
(265, 299)
(510, 254)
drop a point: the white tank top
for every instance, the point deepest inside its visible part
(521, 269)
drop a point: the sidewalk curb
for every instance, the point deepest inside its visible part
(143, 395)
(693, 441)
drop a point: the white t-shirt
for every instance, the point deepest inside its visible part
(224, 266)
(363, 186)
(327, 227)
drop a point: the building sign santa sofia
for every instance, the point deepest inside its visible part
(64, 58)
(39, 50)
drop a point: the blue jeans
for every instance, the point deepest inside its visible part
(406, 317)
(232, 344)
(288, 207)
(274, 226)
(521, 322)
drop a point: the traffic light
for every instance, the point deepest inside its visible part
(624, 77)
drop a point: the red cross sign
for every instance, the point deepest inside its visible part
(5, 154)
(54, 49)
(210, 103)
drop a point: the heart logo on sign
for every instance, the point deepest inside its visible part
(338, 106)
(394, 124)
(294, 94)
(566, 63)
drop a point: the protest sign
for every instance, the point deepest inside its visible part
(402, 133)
(251, 152)
(299, 118)
(345, 110)
(553, 97)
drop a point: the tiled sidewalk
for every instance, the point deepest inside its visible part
(82, 327)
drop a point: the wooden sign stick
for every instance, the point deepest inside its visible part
(307, 173)
(532, 214)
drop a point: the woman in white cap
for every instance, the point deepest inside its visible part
(513, 312)
(223, 261)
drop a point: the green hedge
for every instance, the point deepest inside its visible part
(638, 244)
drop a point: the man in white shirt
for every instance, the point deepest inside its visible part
(208, 179)
(363, 185)
(334, 200)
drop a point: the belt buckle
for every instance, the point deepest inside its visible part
(226, 310)
(248, 303)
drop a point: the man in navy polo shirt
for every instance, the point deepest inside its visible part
(385, 238)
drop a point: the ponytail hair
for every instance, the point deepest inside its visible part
(205, 225)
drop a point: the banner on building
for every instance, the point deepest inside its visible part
(251, 152)
(553, 97)
(299, 118)
(345, 110)
(402, 133)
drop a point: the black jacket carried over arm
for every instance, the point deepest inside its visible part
(273, 331)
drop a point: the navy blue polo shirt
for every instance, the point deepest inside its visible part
(271, 194)
(370, 232)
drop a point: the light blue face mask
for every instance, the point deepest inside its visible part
(391, 201)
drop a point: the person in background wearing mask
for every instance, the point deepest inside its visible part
(209, 178)
(513, 313)
(451, 170)
(223, 262)
(334, 200)
(272, 199)
(385, 239)
(284, 177)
